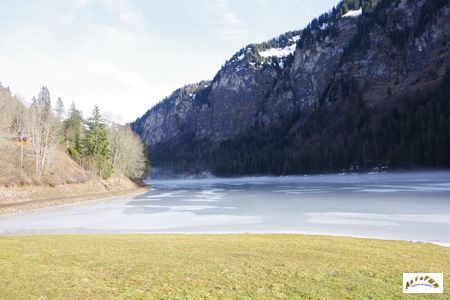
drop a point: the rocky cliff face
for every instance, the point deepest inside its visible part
(400, 49)
(377, 54)
(226, 107)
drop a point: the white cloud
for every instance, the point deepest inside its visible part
(111, 71)
(221, 19)
(83, 58)
(127, 12)
(219, 13)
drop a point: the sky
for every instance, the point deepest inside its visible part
(127, 55)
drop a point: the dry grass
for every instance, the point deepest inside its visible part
(212, 266)
(17, 198)
(63, 182)
(14, 199)
(62, 170)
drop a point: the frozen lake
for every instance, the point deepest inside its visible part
(409, 206)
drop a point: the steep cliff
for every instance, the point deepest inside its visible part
(343, 91)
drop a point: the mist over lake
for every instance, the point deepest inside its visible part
(409, 206)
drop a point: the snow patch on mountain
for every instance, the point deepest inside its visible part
(278, 52)
(353, 13)
(296, 38)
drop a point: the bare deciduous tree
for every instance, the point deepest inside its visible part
(127, 151)
(43, 128)
(11, 110)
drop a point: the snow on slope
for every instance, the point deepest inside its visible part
(353, 13)
(278, 52)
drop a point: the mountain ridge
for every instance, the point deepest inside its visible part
(351, 66)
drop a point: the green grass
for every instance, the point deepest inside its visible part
(212, 266)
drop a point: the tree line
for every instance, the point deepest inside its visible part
(98, 145)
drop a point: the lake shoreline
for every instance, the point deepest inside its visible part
(210, 175)
(26, 198)
(250, 233)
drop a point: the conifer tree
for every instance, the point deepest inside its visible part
(96, 145)
(59, 110)
(73, 131)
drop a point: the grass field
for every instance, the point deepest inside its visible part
(212, 266)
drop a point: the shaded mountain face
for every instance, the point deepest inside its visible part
(345, 91)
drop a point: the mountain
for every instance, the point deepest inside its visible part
(365, 85)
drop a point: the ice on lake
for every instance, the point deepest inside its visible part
(409, 206)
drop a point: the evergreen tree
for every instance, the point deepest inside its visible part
(59, 110)
(344, 9)
(96, 145)
(73, 131)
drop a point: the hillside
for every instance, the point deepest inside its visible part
(362, 86)
(65, 177)
(63, 182)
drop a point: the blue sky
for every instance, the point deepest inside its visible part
(126, 55)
